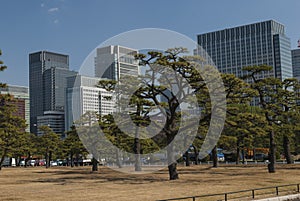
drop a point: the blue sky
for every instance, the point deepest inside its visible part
(77, 27)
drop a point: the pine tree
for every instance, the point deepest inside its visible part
(48, 143)
(12, 127)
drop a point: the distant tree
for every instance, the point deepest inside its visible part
(87, 128)
(242, 124)
(238, 95)
(30, 146)
(139, 115)
(108, 125)
(245, 127)
(289, 118)
(274, 99)
(73, 146)
(26, 146)
(49, 142)
(2, 68)
(12, 127)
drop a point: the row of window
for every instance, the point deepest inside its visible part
(262, 28)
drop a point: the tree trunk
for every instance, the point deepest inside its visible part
(118, 158)
(286, 144)
(2, 158)
(172, 164)
(196, 155)
(272, 153)
(77, 159)
(173, 171)
(27, 158)
(19, 161)
(50, 157)
(94, 165)
(187, 158)
(47, 159)
(72, 159)
(173, 174)
(237, 155)
(137, 150)
(243, 155)
(215, 157)
(286, 148)
(186, 154)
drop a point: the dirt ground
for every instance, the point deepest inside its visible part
(79, 183)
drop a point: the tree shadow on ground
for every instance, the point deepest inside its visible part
(63, 176)
(103, 175)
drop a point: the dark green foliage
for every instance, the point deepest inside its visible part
(2, 68)
(277, 100)
(72, 146)
(12, 127)
(48, 143)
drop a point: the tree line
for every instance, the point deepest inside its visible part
(262, 112)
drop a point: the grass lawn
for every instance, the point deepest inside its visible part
(65, 183)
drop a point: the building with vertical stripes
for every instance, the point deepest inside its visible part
(259, 43)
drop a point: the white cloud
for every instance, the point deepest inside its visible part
(53, 10)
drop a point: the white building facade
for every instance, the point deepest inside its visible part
(84, 96)
(113, 62)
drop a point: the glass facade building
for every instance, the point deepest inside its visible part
(296, 63)
(254, 44)
(55, 84)
(47, 85)
(53, 119)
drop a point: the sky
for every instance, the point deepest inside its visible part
(76, 27)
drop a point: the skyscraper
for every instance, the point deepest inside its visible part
(254, 44)
(296, 63)
(113, 62)
(21, 96)
(55, 85)
(47, 85)
(83, 96)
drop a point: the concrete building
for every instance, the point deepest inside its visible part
(47, 85)
(21, 94)
(83, 96)
(253, 44)
(113, 62)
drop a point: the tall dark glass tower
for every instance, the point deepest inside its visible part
(47, 85)
(296, 63)
(254, 44)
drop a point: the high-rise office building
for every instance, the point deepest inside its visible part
(113, 62)
(21, 96)
(55, 85)
(83, 96)
(47, 85)
(296, 63)
(53, 119)
(254, 44)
